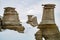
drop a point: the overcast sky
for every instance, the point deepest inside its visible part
(24, 8)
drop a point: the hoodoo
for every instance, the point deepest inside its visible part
(32, 20)
(48, 26)
(11, 20)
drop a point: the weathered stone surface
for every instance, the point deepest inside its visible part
(48, 14)
(48, 26)
(48, 31)
(0, 23)
(11, 20)
(38, 35)
(32, 20)
(10, 16)
(55, 36)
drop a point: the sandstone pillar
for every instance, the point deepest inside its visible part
(0, 23)
(48, 25)
(32, 20)
(11, 20)
(29, 18)
(48, 14)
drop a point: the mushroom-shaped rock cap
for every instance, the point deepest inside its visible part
(49, 5)
(29, 15)
(9, 8)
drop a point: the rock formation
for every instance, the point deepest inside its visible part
(32, 20)
(48, 26)
(38, 35)
(0, 23)
(11, 20)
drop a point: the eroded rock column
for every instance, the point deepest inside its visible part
(32, 20)
(11, 20)
(48, 25)
(0, 23)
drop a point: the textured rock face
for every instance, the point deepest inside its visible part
(48, 31)
(11, 20)
(38, 35)
(47, 26)
(32, 20)
(0, 24)
(10, 17)
(48, 14)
